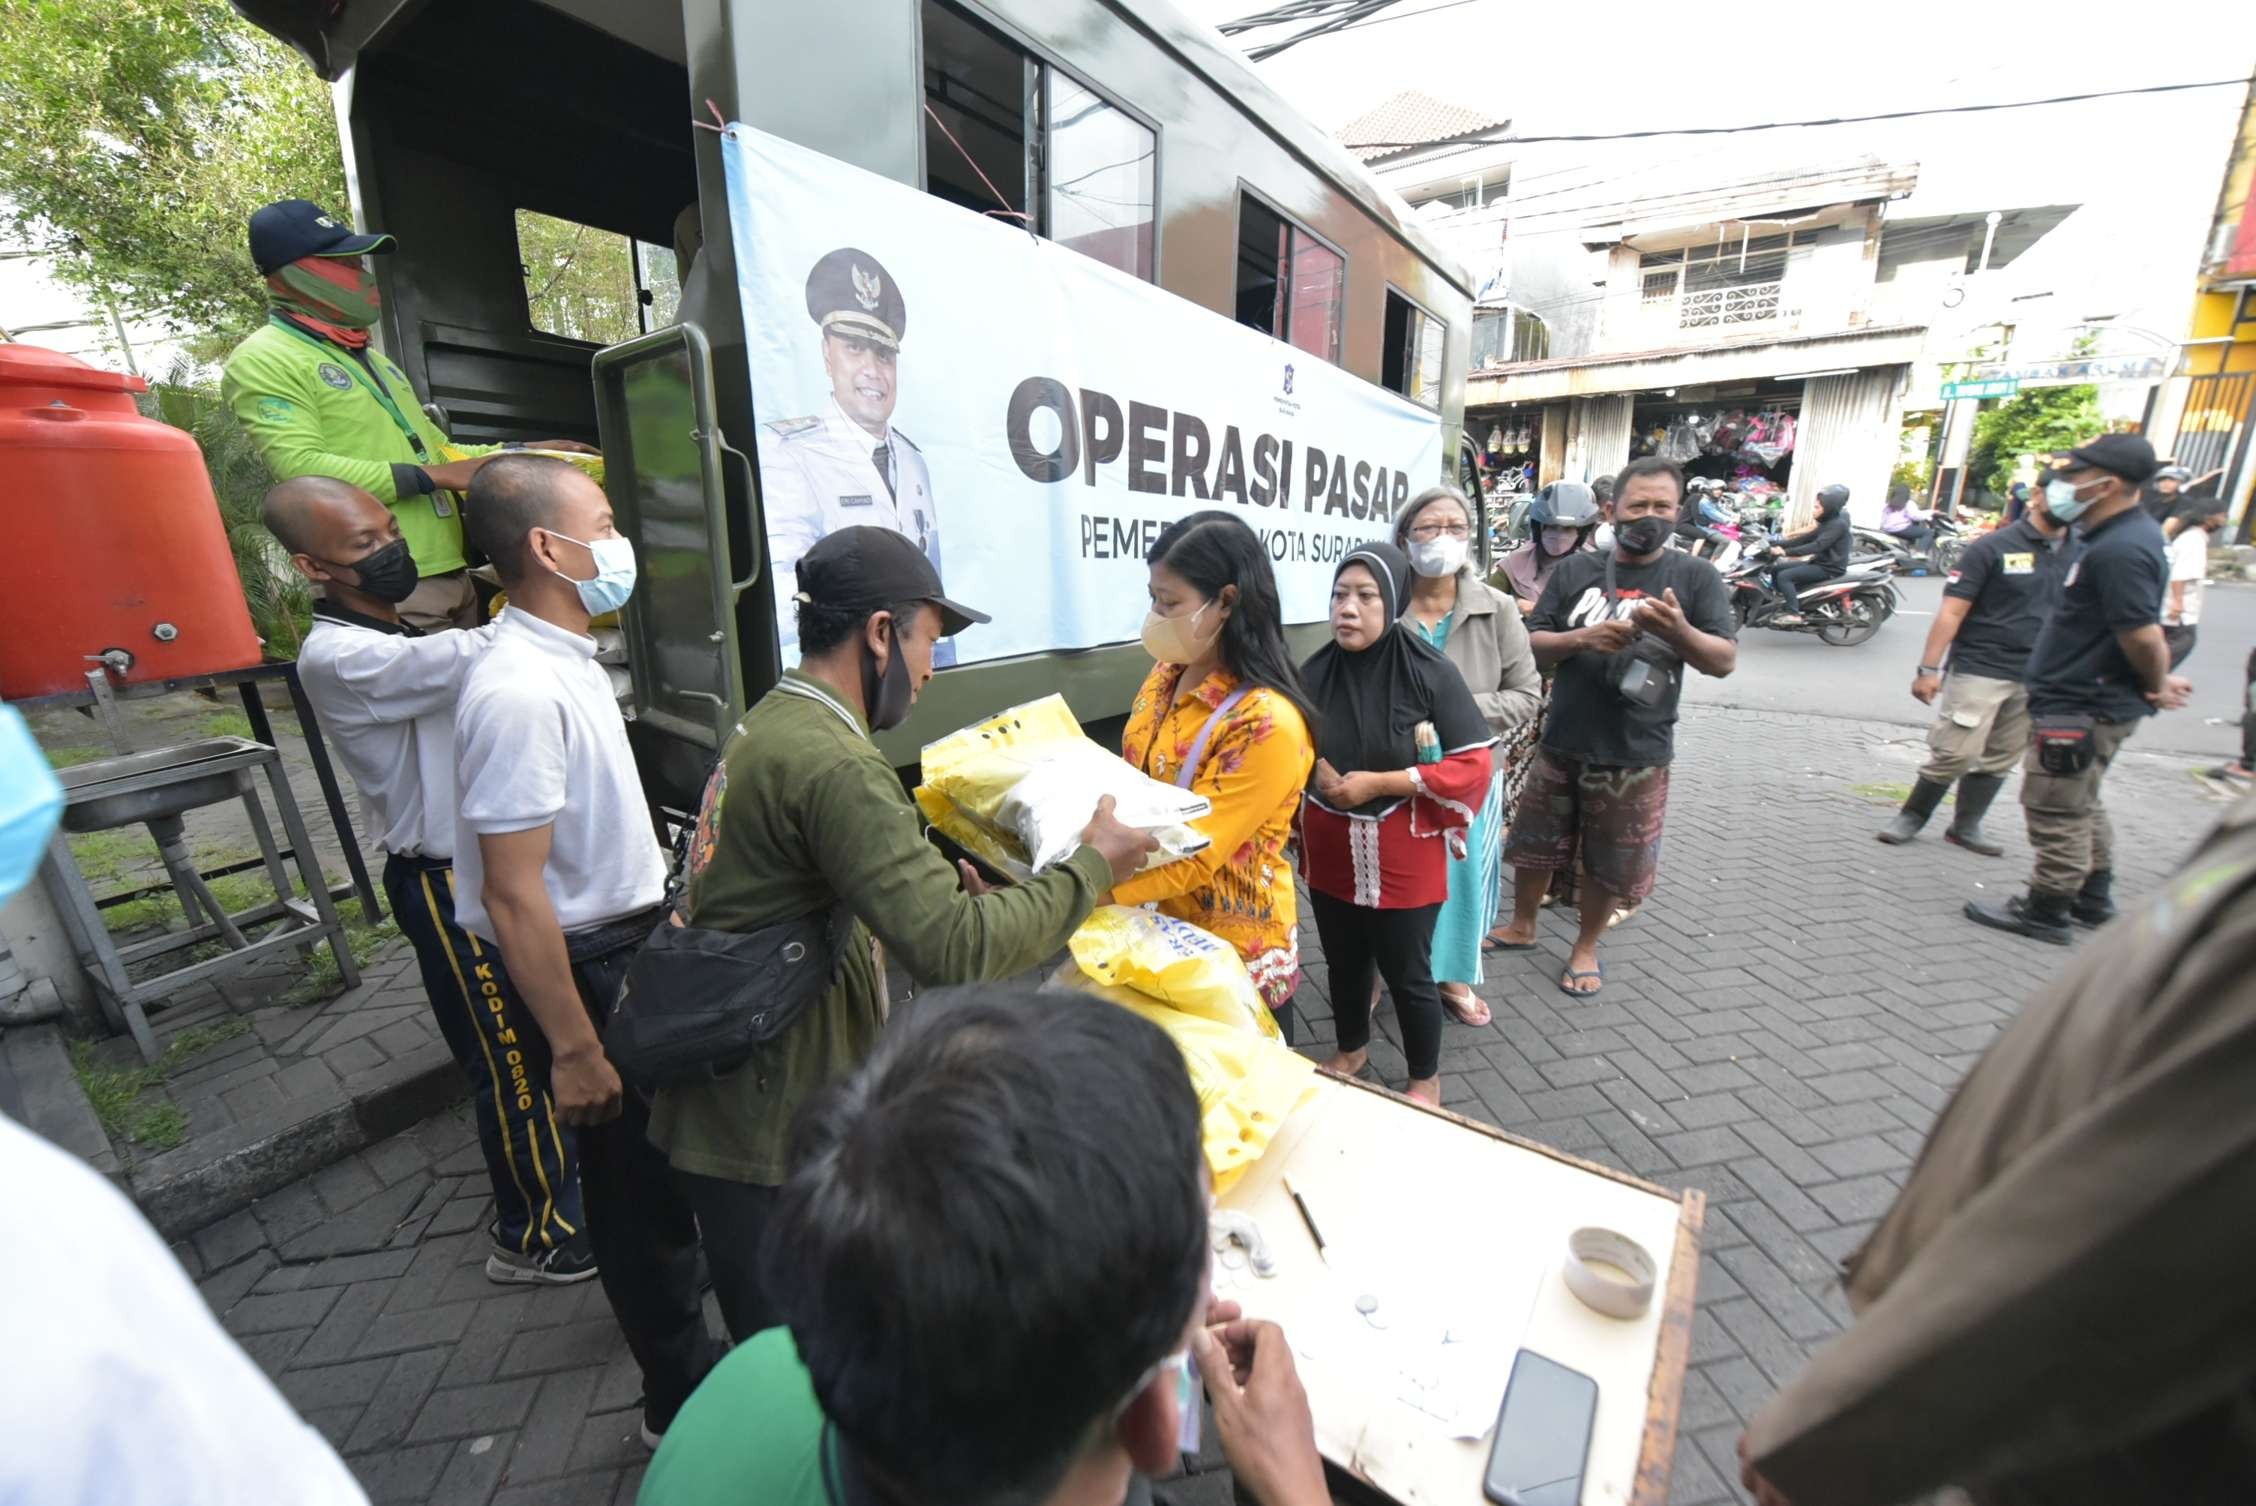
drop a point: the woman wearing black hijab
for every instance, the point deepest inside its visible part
(1402, 766)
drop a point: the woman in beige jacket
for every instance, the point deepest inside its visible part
(1480, 632)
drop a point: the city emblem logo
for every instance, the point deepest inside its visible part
(335, 376)
(1288, 379)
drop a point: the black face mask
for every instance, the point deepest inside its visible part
(887, 695)
(388, 575)
(1641, 535)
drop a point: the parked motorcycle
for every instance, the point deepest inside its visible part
(1843, 612)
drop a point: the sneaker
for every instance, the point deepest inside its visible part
(561, 1265)
(651, 1437)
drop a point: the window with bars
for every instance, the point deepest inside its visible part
(1731, 263)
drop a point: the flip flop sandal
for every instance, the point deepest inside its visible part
(1456, 1010)
(1576, 975)
(1489, 943)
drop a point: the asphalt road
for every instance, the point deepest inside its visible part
(1795, 672)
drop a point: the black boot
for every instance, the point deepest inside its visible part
(1925, 796)
(2037, 915)
(2095, 902)
(1975, 792)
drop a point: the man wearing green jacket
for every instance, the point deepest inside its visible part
(803, 813)
(319, 400)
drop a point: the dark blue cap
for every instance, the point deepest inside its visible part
(290, 228)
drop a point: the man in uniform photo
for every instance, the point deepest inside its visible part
(847, 466)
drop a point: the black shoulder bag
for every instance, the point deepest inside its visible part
(697, 1003)
(1644, 673)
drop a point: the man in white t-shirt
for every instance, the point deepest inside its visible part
(557, 863)
(385, 693)
(119, 1387)
(2198, 519)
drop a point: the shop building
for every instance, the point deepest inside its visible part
(2206, 417)
(1740, 329)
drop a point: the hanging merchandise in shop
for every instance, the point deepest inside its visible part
(1749, 448)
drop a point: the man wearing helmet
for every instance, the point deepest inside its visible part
(2160, 496)
(1692, 518)
(1559, 522)
(1819, 555)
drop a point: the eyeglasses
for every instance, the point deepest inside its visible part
(1426, 533)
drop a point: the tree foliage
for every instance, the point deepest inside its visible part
(579, 281)
(2041, 421)
(135, 139)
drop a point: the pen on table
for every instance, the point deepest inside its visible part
(1306, 1217)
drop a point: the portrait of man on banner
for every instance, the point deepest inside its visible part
(847, 466)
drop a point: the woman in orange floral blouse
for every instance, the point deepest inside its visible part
(1223, 713)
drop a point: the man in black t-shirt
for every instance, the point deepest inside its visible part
(1619, 628)
(1994, 602)
(2100, 665)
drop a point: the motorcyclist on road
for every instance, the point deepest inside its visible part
(1559, 522)
(1691, 525)
(1902, 519)
(1819, 555)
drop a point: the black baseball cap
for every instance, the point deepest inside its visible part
(2124, 455)
(290, 228)
(872, 569)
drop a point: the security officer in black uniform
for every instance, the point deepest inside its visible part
(847, 466)
(1995, 602)
(2101, 666)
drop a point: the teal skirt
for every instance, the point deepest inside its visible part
(1476, 888)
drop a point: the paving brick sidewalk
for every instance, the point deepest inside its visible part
(1778, 1028)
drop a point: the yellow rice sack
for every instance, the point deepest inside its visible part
(1173, 962)
(1016, 789)
(1247, 1084)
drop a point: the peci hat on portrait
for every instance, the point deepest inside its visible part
(850, 293)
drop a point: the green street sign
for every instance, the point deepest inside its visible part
(1987, 387)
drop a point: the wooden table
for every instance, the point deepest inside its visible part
(1427, 1192)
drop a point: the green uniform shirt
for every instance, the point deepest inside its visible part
(313, 410)
(803, 812)
(751, 1433)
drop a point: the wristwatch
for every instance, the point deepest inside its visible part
(1930, 669)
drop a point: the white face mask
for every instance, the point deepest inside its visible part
(1442, 556)
(614, 579)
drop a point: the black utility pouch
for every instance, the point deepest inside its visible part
(2065, 744)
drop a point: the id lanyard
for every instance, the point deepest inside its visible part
(369, 381)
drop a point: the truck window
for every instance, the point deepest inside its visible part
(1069, 164)
(1290, 284)
(1100, 177)
(592, 285)
(1413, 351)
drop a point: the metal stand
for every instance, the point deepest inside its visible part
(102, 695)
(154, 788)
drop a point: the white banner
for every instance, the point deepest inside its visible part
(1030, 417)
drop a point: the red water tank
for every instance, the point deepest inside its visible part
(109, 536)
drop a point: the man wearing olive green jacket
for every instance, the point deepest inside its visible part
(804, 813)
(319, 400)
